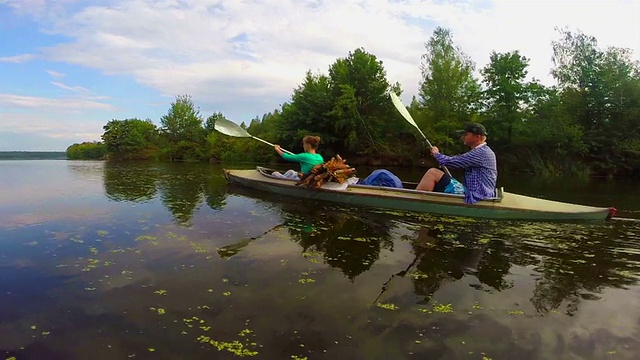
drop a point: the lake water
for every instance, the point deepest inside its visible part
(168, 261)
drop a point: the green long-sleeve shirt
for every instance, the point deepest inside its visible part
(307, 160)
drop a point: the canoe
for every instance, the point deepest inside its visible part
(505, 205)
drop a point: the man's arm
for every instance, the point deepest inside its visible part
(469, 159)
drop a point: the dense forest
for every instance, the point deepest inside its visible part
(587, 124)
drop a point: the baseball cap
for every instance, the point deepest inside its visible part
(473, 128)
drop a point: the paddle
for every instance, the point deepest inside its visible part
(405, 114)
(401, 274)
(232, 129)
(228, 251)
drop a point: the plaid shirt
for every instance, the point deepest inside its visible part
(480, 172)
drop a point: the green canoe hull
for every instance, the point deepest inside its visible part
(508, 207)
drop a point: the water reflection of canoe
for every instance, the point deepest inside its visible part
(505, 206)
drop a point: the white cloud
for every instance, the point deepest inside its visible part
(61, 105)
(55, 74)
(71, 119)
(78, 89)
(242, 50)
(262, 48)
(72, 128)
(18, 58)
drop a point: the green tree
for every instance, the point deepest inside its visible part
(548, 141)
(182, 130)
(308, 112)
(505, 93)
(349, 109)
(448, 93)
(267, 129)
(87, 151)
(361, 106)
(130, 138)
(603, 87)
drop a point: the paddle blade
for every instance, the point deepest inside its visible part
(230, 128)
(401, 108)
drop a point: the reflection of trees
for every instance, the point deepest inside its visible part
(571, 262)
(86, 169)
(181, 189)
(348, 241)
(448, 256)
(215, 191)
(126, 181)
(347, 238)
(580, 261)
(182, 186)
(574, 262)
(494, 265)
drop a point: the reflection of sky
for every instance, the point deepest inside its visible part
(37, 191)
(125, 278)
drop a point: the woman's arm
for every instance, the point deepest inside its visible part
(289, 157)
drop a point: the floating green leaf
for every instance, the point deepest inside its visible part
(387, 306)
(443, 308)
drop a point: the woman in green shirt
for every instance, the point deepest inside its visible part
(308, 159)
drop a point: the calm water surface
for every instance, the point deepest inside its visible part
(168, 261)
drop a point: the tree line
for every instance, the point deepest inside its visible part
(33, 155)
(589, 123)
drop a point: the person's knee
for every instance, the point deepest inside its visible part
(435, 174)
(291, 174)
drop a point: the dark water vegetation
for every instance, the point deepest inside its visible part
(102, 260)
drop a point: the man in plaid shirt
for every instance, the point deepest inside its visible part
(479, 164)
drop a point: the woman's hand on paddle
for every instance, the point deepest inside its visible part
(434, 150)
(278, 149)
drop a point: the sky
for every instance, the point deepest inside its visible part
(68, 67)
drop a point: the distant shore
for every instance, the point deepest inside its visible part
(33, 155)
